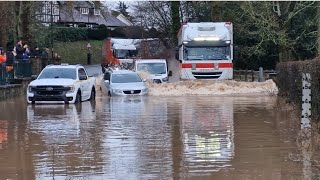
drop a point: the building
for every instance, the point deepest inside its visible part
(76, 14)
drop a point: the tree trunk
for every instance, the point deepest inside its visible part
(318, 34)
(175, 9)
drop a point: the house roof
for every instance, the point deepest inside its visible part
(74, 15)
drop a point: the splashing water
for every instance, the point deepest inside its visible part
(208, 87)
(205, 87)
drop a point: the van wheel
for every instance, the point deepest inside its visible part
(78, 97)
(93, 94)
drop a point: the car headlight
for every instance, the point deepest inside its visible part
(117, 91)
(31, 88)
(145, 90)
(71, 89)
(165, 79)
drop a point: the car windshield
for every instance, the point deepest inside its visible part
(207, 53)
(152, 68)
(68, 73)
(125, 78)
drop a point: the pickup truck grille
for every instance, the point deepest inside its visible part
(132, 92)
(50, 90)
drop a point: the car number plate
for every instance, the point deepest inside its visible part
(206, 70)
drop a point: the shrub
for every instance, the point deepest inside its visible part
(289, 81)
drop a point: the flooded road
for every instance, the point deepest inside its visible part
(148, 138)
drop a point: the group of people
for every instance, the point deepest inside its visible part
(22, 52)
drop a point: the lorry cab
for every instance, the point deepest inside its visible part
(157, 69)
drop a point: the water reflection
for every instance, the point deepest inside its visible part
(146, 138)
(208, 134)
(62, 144)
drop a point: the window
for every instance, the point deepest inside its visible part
(96, 12)
(49, 73)
(84, 10)
(82, 73)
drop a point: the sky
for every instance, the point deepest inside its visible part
(112, 4)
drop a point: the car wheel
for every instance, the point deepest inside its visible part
(109, 94)
(78, 97)
(93, 94)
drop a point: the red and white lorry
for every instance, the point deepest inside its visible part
(205, 50)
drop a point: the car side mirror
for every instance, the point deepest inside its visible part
(107, 81)
(170, 73)
(34, 77)
(82, 77)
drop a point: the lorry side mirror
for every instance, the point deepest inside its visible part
(170, 73)
(236, 53)
(177, 53)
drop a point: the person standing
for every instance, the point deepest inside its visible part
(19, 50)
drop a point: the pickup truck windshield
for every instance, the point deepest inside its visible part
(207, 53)
(50, 73)
(152, 68)
(125, 78)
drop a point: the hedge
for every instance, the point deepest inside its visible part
(289, 82)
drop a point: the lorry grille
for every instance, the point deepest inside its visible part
(132, 92)
(206, 75)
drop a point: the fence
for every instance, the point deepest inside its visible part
(251, 75)
(16, 69)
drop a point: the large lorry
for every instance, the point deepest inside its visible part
(117, 51)
(137, 55)
(205, 50)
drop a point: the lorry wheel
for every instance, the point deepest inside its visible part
(78, 97)
(93, 94)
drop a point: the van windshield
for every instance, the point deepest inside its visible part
(152, 68)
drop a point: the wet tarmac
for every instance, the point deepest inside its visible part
(192, 137)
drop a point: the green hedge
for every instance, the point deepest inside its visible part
(289, 81)
(76, 52)
(69, 34)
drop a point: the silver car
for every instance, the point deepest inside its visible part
(123, 83)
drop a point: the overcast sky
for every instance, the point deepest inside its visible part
(112, 4)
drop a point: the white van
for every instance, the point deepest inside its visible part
(156, 68)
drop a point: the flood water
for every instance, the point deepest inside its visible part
(191, 137)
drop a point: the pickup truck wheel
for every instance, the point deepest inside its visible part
(93, 94)
(78, 98)
(33, 102)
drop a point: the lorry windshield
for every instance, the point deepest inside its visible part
(124, 53)
(67, 73)
(207, 53)
(152, 68)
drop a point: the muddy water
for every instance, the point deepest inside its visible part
(148, 138)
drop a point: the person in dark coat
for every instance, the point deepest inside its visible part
(20, 50)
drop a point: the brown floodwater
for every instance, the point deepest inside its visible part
(190, 137)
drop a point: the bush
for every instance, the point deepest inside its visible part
(289, 81)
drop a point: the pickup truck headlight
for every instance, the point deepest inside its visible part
(118, 91)
(31, 88)
(71, 89)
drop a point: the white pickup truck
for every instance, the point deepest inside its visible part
(62, 83)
